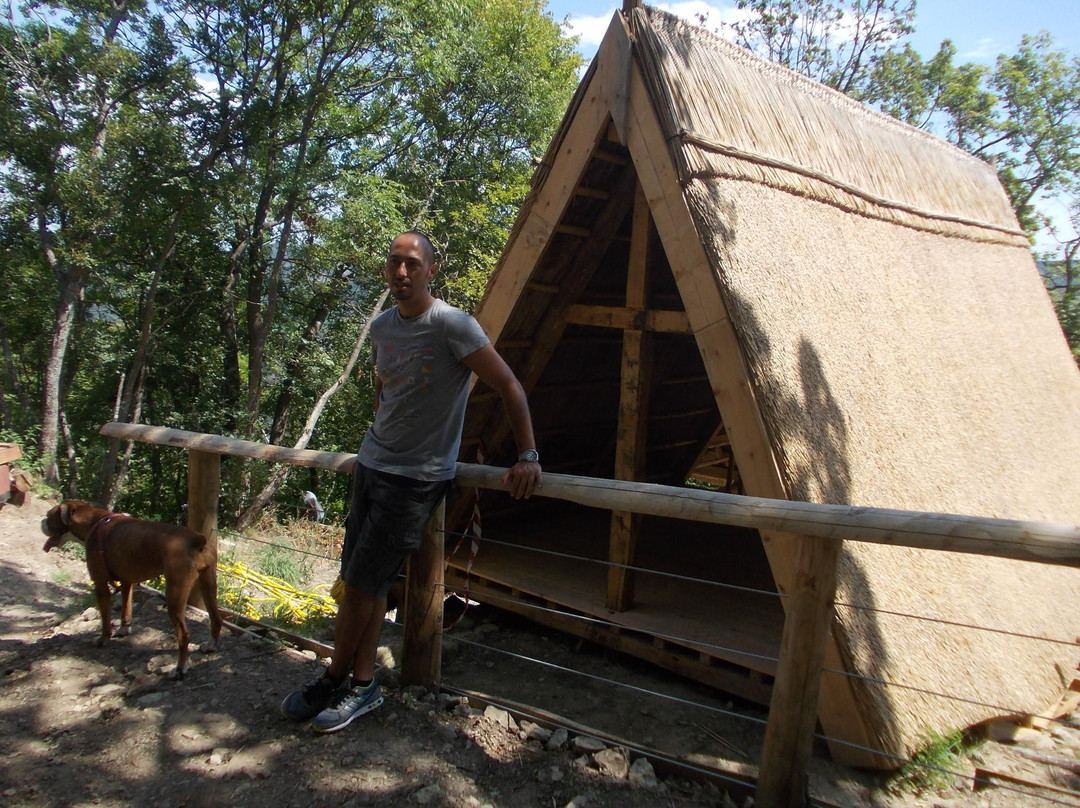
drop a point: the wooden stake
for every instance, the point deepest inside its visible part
(204, 487)
(421, 652)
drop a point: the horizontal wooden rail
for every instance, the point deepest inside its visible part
(1044, 542)
(216, 444)
(1023, 540)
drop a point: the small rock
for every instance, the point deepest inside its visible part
(588, 744)
(101, 691)
(428, 794)
(613, 763)
(531, 731)
(150, 699)
(218, 756)
(642, 772)
(558, 739)
(500, 717)
(464, 710)
(1032, 738)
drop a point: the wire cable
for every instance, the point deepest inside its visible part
(673, 575)
(607, 623)
(594, 677)
(942, 621)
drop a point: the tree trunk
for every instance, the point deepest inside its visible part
(281, 473)
(71, 290)
(109, 485)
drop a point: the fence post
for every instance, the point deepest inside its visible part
(421, 652)
(204, 487)
(789, 734)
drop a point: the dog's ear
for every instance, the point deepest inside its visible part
(65, 515)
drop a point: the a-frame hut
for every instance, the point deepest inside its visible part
(727, 272)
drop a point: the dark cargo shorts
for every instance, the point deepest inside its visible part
(384, 526)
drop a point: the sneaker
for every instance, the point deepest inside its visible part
(312, 698)
(350, 704)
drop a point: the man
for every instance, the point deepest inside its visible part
(313, 509)
(424, 351)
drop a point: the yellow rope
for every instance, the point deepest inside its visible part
(288, 603)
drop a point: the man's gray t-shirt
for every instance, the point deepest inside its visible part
(417, 429)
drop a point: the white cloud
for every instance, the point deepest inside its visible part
(589, 30)
(985, 50)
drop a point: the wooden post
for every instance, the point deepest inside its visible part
(633, 409)
(789, 734)
(204, 488)
(421, 652)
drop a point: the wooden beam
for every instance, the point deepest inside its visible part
(572, 230)
(624, 317)
(421, 653)
(591, 193)
(789, 734)
(612, 157)
(216, 444)
(633, 411)
(543, 288)
(568, 159)
(204, 487)
(655, 161)
(1041, 542)
(579, 266)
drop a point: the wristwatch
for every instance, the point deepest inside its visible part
(529, 456)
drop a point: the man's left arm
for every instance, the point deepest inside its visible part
(523, 477)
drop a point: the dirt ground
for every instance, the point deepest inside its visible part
(82, 725)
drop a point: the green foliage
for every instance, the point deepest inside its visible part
(197, 198)
(934, 766)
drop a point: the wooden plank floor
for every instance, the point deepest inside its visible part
(696, 607)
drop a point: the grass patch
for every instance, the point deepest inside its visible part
(281, 563)
(932, 766)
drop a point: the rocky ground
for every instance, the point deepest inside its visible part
(82, 725)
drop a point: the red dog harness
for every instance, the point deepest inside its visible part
(95, 549)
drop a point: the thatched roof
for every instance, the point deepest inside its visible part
(872, 330)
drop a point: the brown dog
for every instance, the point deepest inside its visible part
(121, 548)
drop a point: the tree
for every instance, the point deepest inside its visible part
(64, 89)
(838, 43)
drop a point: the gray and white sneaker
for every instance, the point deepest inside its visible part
(350, 704)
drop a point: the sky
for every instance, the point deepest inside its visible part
(980, 30)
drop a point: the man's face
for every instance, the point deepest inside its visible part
(409, 268)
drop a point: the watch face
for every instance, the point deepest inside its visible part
(530, 456)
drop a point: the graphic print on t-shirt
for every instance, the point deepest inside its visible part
(406, 372)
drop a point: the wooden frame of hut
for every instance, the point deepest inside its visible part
(727, 273)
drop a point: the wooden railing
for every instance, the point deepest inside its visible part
(793, 707)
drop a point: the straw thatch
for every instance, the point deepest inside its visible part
(896, 346)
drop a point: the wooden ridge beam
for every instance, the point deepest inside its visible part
(624, 317)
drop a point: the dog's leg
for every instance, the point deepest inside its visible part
(207, 584)
(176, 598)
(104, 604)
(125, 609)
